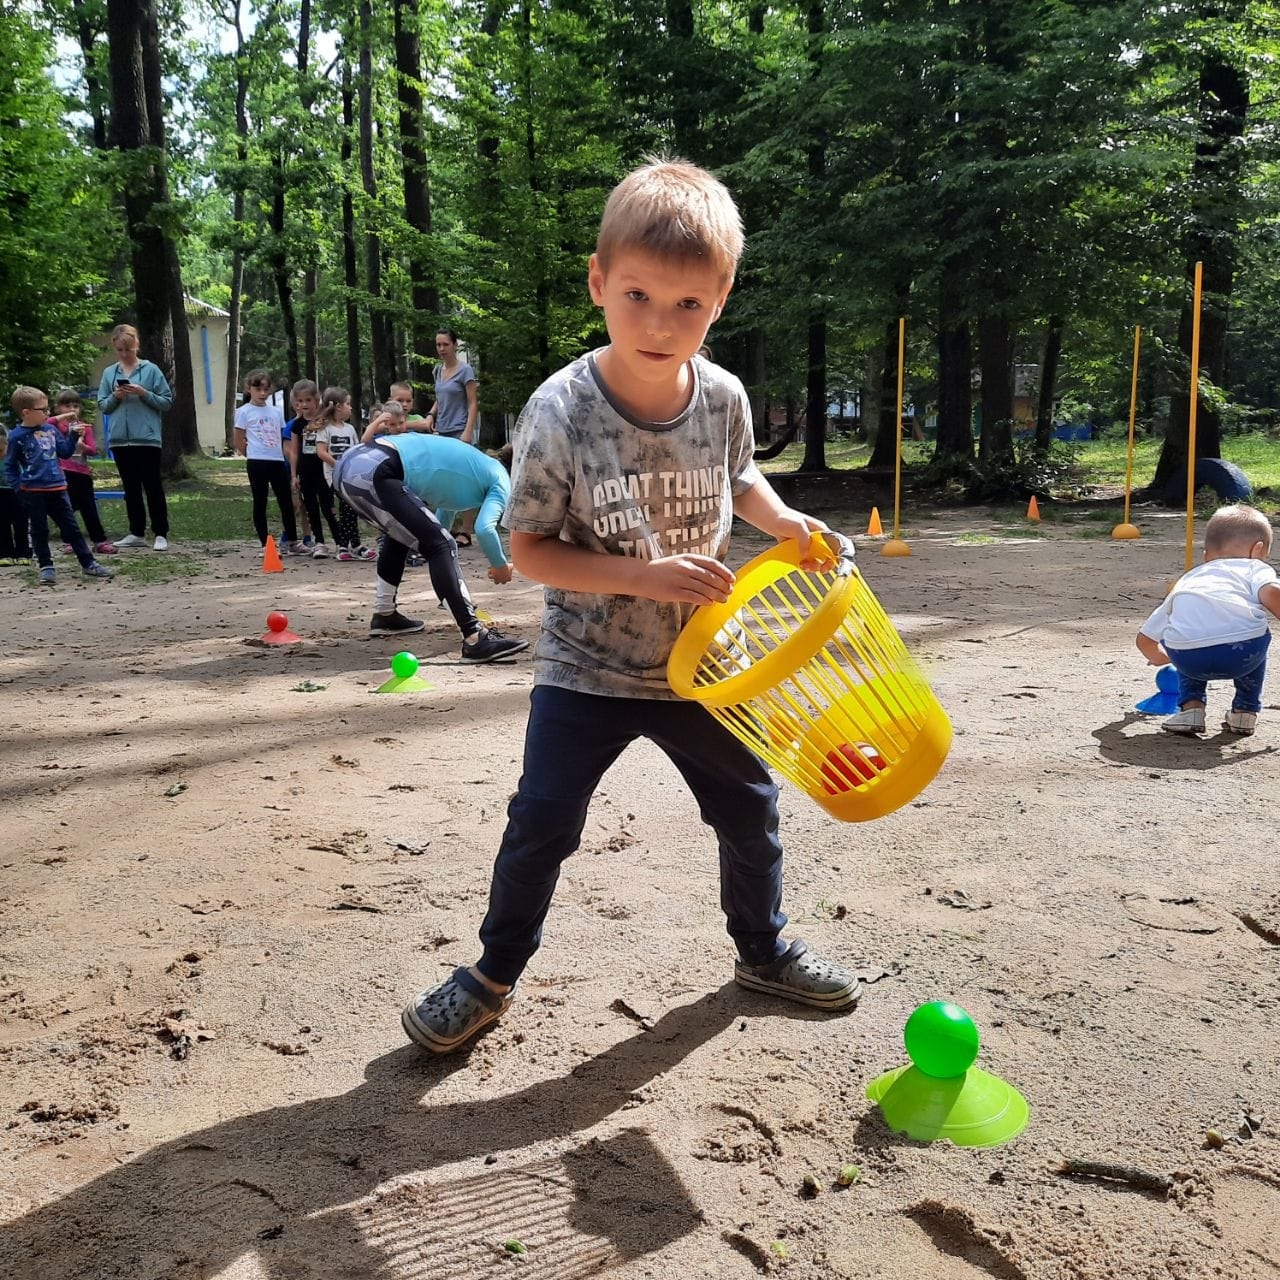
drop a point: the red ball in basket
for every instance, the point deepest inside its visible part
(805, 667)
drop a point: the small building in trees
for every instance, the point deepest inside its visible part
(207, 330)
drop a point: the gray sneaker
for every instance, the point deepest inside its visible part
(1241, 722)
(488, 646)
(444, 1018)
(96, 570)
(48, 576)
(799, 975)
(1187, 722)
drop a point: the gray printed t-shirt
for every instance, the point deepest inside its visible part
(588, 472)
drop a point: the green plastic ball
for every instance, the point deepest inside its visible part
(942, 1040)
(404, 665)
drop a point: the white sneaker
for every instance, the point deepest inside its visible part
(1241, 722)
(319, 552)
(162, 543)
(1189, 721)
(131, 540)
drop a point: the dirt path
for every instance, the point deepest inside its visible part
(217, 888)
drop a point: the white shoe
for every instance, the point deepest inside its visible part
(162, 543)
(319, 552)
(131, 540)
(1241, 722)
(1189, 721)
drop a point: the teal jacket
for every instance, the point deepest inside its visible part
(134, 419)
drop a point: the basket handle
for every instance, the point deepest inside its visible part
(840, 548)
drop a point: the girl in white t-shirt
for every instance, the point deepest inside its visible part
(259, 439)
(1215, 622)
(334, 435)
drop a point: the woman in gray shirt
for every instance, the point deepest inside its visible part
(455, 410)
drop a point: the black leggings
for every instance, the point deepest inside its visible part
(348, 525)
(317, 497)
(84, 504)
(372, 481)
(139, 468)
(273, 474)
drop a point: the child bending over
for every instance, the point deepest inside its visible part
(1214, 623)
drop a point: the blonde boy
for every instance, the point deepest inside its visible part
(34, 474)
(630, 465)
(1214, 624)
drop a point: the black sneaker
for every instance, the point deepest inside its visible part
(489, 646)
(394, 624)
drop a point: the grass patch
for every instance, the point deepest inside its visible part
(159, 566)
(1100, 462)
(213, 506)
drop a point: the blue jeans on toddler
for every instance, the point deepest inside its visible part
(571, 740)
(1245, 663)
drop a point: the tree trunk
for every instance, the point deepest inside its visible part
(379, 327)
(995, 361)
(350, 273)
(417, 200)
(955, 405)
(678, 45)
(181, 431)
(884, 393)
(146, 195)
(280, 266)
(1048, 384)
(1217, 187)
(87, 19)
(237, 223)
(815, 436)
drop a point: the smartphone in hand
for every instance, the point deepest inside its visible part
(122, 382)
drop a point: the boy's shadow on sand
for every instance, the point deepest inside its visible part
(280, 1184)
(1160, 750)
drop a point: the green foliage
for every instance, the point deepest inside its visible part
(56, 240)
(1029, 159)
(1018, 474)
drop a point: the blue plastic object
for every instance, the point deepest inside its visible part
(1164, 702)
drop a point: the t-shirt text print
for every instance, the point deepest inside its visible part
(626, 505)
(587, 472)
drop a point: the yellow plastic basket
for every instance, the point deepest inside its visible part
(806, 669)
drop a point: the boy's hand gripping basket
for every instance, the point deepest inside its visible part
(808, 671)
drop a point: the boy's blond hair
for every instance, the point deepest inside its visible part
(676, 210)
(1236, 527)
(26, 398)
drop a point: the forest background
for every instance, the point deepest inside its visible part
(1025, 181)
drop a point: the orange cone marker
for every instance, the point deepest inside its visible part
(874, 527)
(271, 562)
(1033, 509)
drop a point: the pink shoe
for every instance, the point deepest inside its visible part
(106, 549)
(66, 548)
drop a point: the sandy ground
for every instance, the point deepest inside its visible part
(217, 888)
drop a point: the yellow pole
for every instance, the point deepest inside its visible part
(1191, 415)
(1126, 530)
(895, 546)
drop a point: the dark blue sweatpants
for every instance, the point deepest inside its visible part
(571, 740)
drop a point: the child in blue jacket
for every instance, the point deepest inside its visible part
(31, 466)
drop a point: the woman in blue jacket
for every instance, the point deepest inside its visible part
(135, 393)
